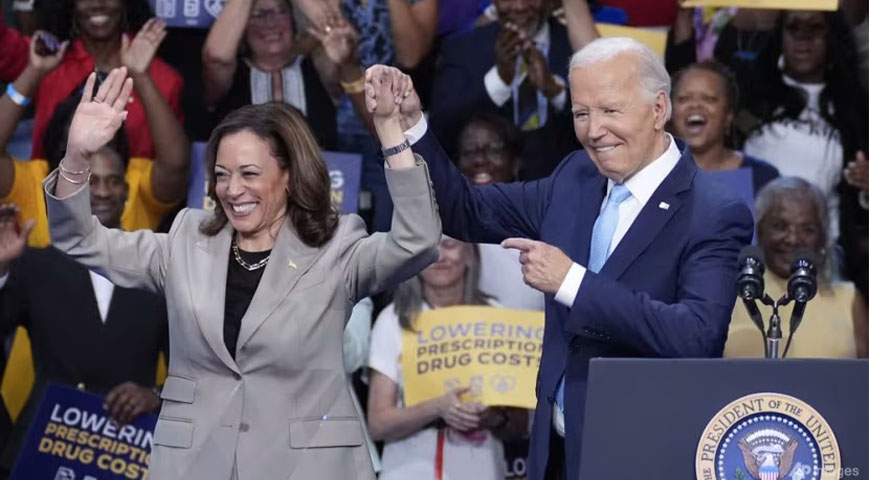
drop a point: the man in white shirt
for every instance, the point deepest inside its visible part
(515, 67)
(634, 246)
(84, 331)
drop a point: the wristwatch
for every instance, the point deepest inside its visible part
(388, 152)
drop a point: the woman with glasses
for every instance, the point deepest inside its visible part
(489, 152)
(252, 56)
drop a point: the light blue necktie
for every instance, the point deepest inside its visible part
(601, 238)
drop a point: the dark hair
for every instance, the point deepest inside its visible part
(283, 127)
(506, 131)
(724, 74)
(55, 137)
(58, 16)
(408, 298)
(843, 101)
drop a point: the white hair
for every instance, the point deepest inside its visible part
(653, 75)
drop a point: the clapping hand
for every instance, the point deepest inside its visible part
(44, 63)
(137, 54)
(98, 117)
(538, 71)
(509, 43)
(338, 39)
(13, 236)
(857, 172)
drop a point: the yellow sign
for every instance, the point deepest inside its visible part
(768, 436)
(654, 39)
(493, 351)
(768, 4)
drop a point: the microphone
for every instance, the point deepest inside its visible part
(749, 282)
(803, 282)
(802, 287)
(750, 286)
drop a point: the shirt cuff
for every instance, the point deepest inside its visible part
(498, 91)
(3, 280)
(560, 100)
(570, 285)
(416, 132)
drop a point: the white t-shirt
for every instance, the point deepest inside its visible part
(501, 277)
(413, 457)
(809, 148)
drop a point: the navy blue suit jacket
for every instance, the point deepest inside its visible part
(667, 290)
(459, 90)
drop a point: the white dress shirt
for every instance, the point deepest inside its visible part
(501, 92)
(641, 185)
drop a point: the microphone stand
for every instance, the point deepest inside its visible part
(773, 334)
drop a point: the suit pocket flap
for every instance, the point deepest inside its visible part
(321, 433)
(179, 389)
(173, 433)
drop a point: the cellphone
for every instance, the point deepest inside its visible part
(46, 44)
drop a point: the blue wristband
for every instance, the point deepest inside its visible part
(16, 96)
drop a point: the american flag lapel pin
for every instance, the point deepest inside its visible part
(664, 206)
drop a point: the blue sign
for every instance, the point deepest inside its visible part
(345, 171)
(73, 438)
(187, 13)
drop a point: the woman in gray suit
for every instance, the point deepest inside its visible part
(258, 291)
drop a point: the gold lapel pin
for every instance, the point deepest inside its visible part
(292, 265)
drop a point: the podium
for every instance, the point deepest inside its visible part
(726, 418)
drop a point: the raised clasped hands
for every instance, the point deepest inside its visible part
(385, 89)
(99, 116)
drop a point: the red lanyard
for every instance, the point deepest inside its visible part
(439, 455)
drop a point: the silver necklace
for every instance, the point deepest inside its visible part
(248, 266)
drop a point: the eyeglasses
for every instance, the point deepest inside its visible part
(261, 16)
(493, 152)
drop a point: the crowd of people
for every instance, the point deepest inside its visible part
(103, 93)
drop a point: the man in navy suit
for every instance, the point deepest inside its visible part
(634, 246)
(515, 67)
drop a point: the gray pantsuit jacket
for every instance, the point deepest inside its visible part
(282, 409)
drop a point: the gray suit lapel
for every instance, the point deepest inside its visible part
(207, 272)
(290, 259)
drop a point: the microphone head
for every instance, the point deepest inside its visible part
(753, 252)
(803, 282)
(805, 259)
(749, 282)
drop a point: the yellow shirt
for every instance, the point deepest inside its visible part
(142, 210)
(827, 329)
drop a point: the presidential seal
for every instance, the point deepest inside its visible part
(767, 436)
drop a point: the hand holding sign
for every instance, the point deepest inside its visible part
(543, 266)
(128, 400)
(459, 416)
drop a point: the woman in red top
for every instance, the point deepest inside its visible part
(96, 29)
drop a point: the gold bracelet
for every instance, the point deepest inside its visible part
(70, 172)
(356, 86)
(86, 179)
